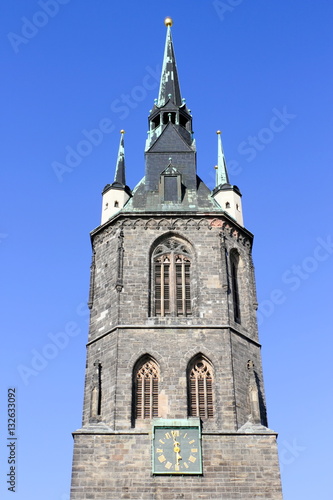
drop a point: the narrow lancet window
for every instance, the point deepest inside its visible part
(234, 263)
(146, 389)
(96, 393)
(200, 388)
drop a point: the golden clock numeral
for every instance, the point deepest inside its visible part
(176, 467)
(185, 435)
(168, 465)
(194, 450)
(186, 465)
(161, 458)
(159, 450)
(167, 435)
(175, 434)
(192, 459)
(161, 441)
(192, 441)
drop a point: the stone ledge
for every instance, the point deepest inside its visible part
(247, 429)
(176, 327)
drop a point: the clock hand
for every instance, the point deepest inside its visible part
(176, 449)
(178, 457)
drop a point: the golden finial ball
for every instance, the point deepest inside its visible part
(168, 21)
(218, 132)
(122, 131)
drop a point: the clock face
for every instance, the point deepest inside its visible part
(177, 450)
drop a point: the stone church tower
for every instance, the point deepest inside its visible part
(174, 404)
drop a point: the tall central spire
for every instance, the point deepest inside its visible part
(171, 181)
(169, 85)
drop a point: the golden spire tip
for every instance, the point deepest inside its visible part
(122, 131)
(168, 21)
(218, 132)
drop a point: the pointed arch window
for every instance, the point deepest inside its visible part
(146, 378)
(234, 264)
(200, 388)
(171, 280)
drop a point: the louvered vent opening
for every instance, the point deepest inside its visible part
(187, 290)
(158, 284)
(166, 285)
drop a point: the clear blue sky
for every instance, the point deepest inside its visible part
(259, 71)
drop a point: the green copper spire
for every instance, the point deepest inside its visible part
(119, 176)
(169, 84)
(221, 169)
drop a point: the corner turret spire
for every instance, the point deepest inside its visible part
(117, 194)
(221, 169)
(227, 196)
(169, 84)
(119, 176)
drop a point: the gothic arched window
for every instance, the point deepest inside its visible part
(234, 264)
(200, 388)
(171, 277)
(146, 377)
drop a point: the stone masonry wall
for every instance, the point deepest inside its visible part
(235, 467)
(210, 271)
(173, 349)
(112, 454)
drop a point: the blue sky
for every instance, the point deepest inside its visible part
(259, 71)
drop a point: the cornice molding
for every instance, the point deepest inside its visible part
(229, 228)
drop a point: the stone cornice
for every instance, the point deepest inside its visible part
(175, 327)
(108, 431)
(174, 221)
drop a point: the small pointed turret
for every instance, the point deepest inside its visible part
(115, 195)
(169, 84)
(119, 176)
(221, 170)
(227, 196)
